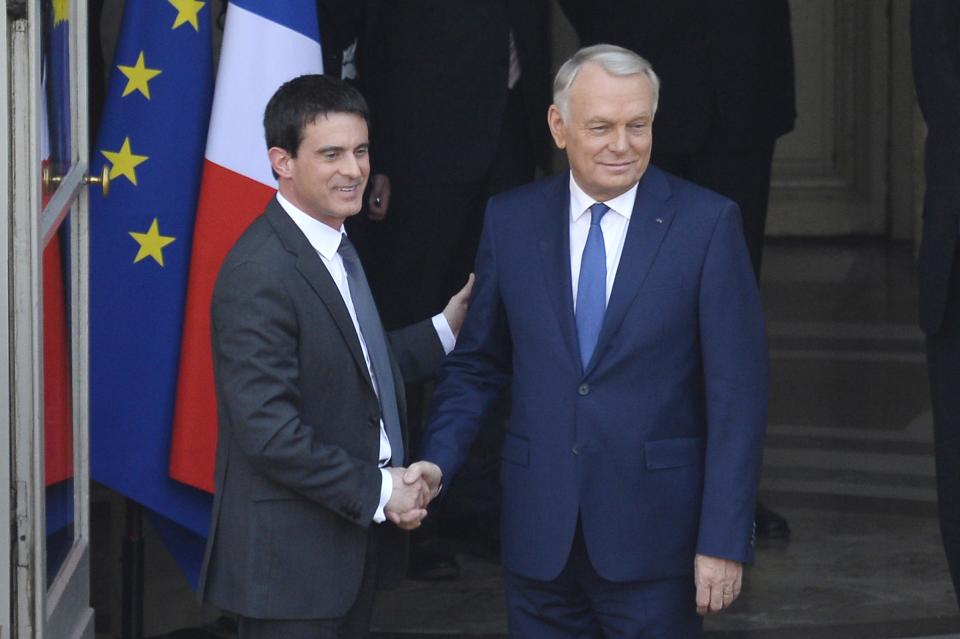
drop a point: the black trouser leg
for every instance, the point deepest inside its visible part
(943, 366)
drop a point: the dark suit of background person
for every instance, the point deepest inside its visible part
(297, 472)
(449, 133)
(340, 23)
(727, 72)
(935, 45)
(626, 466)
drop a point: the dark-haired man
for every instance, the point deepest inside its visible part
(309, 391)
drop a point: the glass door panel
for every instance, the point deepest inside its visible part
(55, 81)
(60, 185)
(58, 420)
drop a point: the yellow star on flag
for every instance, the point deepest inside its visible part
(61, 11)
(151, 243)
(187, 11)
(138, 77)
(124, 162)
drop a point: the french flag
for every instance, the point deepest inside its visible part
(265, 43)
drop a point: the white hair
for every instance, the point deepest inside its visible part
(614, 60)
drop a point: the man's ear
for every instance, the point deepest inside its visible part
(557, 128)
(279, 161)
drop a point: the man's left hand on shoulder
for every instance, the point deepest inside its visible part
(456, 309)
(718, 583)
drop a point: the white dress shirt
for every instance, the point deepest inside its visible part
(614, 226)
(326, 240)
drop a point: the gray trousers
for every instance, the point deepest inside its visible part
(354, 625)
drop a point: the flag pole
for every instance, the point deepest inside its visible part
(132, 607)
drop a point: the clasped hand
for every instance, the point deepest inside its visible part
(413, 489)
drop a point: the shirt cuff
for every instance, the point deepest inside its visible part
(386, 491)
(444, 332)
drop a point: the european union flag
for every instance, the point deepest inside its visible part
(152, 139)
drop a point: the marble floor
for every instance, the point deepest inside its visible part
(849, 461)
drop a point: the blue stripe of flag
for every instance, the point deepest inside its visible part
(296, 15)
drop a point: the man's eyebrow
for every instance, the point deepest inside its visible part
(338, 149)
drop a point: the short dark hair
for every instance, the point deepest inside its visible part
(300, 101)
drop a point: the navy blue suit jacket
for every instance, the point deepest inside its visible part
(656, 443)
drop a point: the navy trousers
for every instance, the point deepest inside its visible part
(580, 604)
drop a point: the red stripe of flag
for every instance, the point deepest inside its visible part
(229, 202)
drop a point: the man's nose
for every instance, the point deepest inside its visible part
(618, 142)
(350, 166)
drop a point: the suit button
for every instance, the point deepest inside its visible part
(584, 389)
(373, 421)
(576, 449)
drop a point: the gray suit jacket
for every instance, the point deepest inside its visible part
(296, 476)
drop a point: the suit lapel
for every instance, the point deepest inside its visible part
(318, 277)
(649, 223)
(554, 246)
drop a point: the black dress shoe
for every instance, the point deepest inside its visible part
(431, 559)
(770, 525)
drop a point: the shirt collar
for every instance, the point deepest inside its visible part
(581, 202)
(323, 238)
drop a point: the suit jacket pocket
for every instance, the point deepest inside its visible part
(516, 449)
(673, 453)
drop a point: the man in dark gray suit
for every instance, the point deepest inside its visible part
(309, 392)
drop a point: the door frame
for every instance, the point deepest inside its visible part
(63, 609)
(6, 530)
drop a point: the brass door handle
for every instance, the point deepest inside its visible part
(49, 180)
(52, 181)
(103, 180)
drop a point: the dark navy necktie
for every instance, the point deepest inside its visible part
(376, 342)
(592, 286)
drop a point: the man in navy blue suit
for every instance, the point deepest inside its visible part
(618, 304)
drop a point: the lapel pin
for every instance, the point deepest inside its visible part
(659, 220)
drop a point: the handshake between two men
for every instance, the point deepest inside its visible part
(413, 490)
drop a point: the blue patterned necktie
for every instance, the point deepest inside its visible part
(592, 286)
(376, 342)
